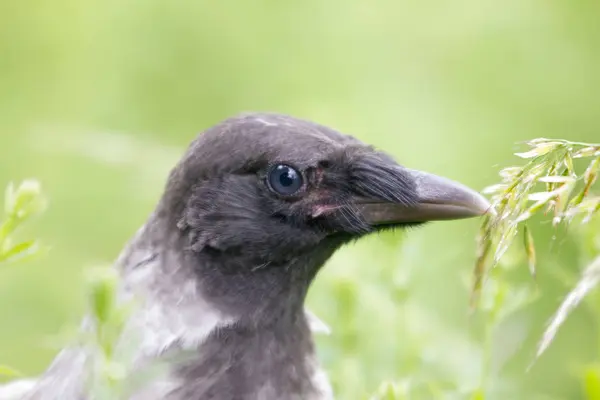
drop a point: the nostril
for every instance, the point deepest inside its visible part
(325, 164)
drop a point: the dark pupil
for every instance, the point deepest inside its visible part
(287, 177)
(285, 180)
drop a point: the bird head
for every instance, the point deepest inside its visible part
(259, 202)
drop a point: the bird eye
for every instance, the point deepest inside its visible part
(284, 180)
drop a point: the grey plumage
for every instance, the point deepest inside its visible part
(222, 266)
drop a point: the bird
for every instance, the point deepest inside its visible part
(248, 217)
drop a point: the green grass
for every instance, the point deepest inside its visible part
(99, 99)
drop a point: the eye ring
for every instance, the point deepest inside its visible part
(284, 180)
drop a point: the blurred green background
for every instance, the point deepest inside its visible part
(99, 99)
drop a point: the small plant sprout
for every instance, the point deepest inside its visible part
(21, 204)
(392, 391)
(548, 183)
(109, 318)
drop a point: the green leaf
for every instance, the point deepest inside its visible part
(9, 372)
(591, 382)
(28, 199)
(9, 198)
(20, 250)
(478, 395)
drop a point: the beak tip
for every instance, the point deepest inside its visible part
(465, 202)
(483, 206)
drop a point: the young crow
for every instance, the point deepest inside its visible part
(221, 268)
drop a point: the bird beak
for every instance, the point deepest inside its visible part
(438, 199)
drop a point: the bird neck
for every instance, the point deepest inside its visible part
(263, 293)
(246, 329)
(267, 361)
(261, 290)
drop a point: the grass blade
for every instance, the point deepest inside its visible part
(589, 280)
